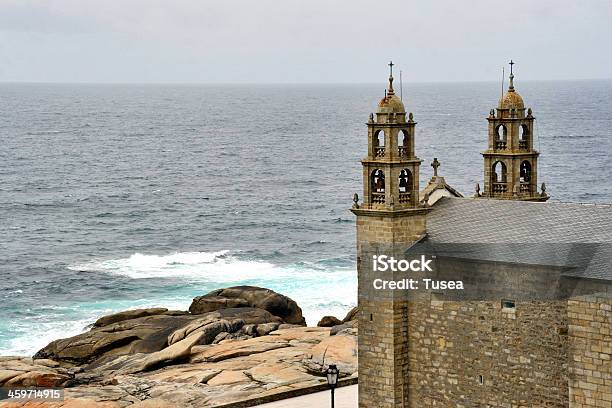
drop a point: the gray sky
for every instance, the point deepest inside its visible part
(296, 41)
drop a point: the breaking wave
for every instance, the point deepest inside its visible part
(219, 266)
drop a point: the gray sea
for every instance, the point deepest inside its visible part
(125, 196)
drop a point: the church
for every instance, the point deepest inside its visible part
(532, 327)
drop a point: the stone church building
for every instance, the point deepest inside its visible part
(532, 327)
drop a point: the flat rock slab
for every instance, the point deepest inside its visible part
(239, 348)
(199, 375)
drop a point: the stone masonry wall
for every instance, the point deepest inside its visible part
(479, 354)
(372, 230)
(382, 359)
(383, 318)
(590, 324)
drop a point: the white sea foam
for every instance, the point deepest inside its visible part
(213, 266)
(30, 336)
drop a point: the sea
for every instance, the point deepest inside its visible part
(115, 197)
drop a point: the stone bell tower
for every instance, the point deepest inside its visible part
(511, 162)
(389, 221)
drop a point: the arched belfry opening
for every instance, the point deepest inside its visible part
(403, 144)
(379, 144)
(500, 172)
(501, 137)
(405, 186)
(405, 181)
(377, 186)
(523, 137)
(380, 138)
(525, 175)
(499, 177)
(510, 161)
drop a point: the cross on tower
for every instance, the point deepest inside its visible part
(511, 64)
(435, 164)
(391, 64)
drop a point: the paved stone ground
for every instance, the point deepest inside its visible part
(346, 397)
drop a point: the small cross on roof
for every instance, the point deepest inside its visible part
(435, 164)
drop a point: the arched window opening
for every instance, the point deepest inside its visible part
(499, 178)
(404, 144)
(523, 137)
(378, 186)
(501, 137)
(499, 172)
(379, 144)
(405, 186)
(525, 176)
(525, 171)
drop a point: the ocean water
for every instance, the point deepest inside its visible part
(126, 196)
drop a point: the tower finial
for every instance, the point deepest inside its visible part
(511, 86)
(391, 92)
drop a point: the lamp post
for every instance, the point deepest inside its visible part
(332, 380)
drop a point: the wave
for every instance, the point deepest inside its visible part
(220, 266)
(29, 336)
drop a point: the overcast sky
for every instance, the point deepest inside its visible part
(294, 41)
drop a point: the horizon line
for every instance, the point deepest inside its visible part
(278, 83)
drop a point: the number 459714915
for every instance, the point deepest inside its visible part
(27, 394)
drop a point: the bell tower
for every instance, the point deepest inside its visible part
(511, 162)
(391, 168)
(389, 220)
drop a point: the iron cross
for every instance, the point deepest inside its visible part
(511, 64)
(435, 164)
(391, 64)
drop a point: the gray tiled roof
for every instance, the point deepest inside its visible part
(559, 234)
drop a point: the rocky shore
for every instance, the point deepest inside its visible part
(233, 345)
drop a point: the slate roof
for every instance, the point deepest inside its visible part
(572, 235)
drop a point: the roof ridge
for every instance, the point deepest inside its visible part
(515, 202)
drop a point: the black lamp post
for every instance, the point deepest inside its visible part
(332, 380)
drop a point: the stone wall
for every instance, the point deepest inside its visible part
(590, 323)
(388, 231)
(382, 357)
(383, 317)
(478, 354)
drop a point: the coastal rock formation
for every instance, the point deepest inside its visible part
(151, 330)
(329, 321)
(348, 328)
(133, 314)
(351, 315)
(250, 296)
(145, 334)
(348, 324)
(151, 358)
(27, 372)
